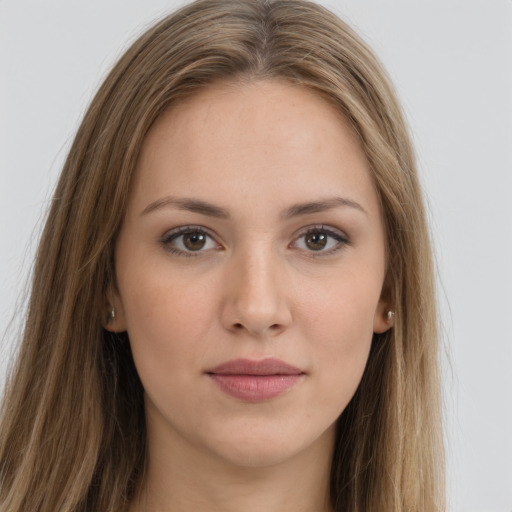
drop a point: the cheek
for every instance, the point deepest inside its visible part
(167, 321)
(342, 308)
(340, 328)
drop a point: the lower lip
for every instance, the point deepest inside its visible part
(255, 388)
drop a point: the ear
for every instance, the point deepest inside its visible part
(385, 313)
(114, 317)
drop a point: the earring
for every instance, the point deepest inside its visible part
(110, 317)
(390, 315)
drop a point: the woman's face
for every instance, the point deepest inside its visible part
(250, 267)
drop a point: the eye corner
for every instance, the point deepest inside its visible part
(202, 241)
(325, 241)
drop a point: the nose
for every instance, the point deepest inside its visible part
(256, 296)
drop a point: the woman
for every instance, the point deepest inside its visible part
(233, 300)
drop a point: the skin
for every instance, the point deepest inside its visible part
(258, 287)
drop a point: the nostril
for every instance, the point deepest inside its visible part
(239, 326)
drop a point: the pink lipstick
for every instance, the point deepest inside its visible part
(255, 381)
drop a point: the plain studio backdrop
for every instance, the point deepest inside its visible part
(451, 62)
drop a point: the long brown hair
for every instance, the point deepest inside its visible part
(73, 430)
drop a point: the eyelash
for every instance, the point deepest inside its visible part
(341, 240)
(168, 238)
(176, 233)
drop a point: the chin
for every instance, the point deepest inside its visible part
(254, 454)
(265, 447)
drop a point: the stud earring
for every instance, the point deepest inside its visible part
(110, 317)
(390, 315)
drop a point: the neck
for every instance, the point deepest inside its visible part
(179, 478)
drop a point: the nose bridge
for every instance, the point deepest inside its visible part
(257, 299)
(258, 278)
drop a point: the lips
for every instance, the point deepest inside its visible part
(255, 381)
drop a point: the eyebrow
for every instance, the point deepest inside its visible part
(297, 210)
(191, 205)
(211, 210)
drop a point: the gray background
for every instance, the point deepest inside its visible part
(451, 61)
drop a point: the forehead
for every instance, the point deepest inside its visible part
(267, 139)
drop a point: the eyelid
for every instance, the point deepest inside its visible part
(337, 234)
(332, 232)
(175, 233)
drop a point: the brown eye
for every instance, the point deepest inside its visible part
(194, 241)
(321, 240)
(189, 241)
(316, 241)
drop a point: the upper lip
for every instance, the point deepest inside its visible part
(269, 366)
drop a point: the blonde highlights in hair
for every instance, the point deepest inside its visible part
(73, 429)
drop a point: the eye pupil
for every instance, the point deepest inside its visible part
(194, 241)
(316, 241)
